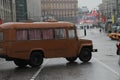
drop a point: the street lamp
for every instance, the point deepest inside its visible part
(117, 10)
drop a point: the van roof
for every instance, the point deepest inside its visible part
(12, 25)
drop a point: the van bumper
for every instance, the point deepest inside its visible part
(6, 57)
(94, 50)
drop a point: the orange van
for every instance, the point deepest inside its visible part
(29, 43)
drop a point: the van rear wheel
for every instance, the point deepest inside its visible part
(71, 59)
(20, 63)
(36, 59)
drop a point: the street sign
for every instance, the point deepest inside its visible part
(113, 19)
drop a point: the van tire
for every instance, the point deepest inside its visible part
(36, 59)
(20, 63)
(71, 59)
(85, 55)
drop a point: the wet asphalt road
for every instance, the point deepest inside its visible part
(9, 71)
(102, 66)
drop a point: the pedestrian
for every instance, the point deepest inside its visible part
(100, 30)
(84, 31)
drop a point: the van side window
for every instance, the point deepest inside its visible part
(1, 35)
(47, 34)
(30, 34)
(35, 34)
(22, 34)
(71, 33)
(60, 33)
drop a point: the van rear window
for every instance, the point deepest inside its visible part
(1, 36)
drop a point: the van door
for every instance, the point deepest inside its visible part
(63, 45)
(72, 42)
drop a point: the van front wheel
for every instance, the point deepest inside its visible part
(85, 55)
(36, 59)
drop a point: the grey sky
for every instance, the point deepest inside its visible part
(91, 4)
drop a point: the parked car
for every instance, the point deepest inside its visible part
(118, 51)
(114, 36)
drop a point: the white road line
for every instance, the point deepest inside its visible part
(106, 66)
(109, 68)
(36, 74)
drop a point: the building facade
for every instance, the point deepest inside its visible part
(34, 10)
(64, 10)
(28, 10)
(21, 10)
(110, 8)
(13, 10)
(6, 10)
(82, 12)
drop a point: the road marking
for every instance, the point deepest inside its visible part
(36, 74)
(103, 64)
(109, 68)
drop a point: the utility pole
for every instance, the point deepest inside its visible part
(108, 9)
(117, 10)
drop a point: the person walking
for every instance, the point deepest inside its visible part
(85, 31)
(100, 30)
